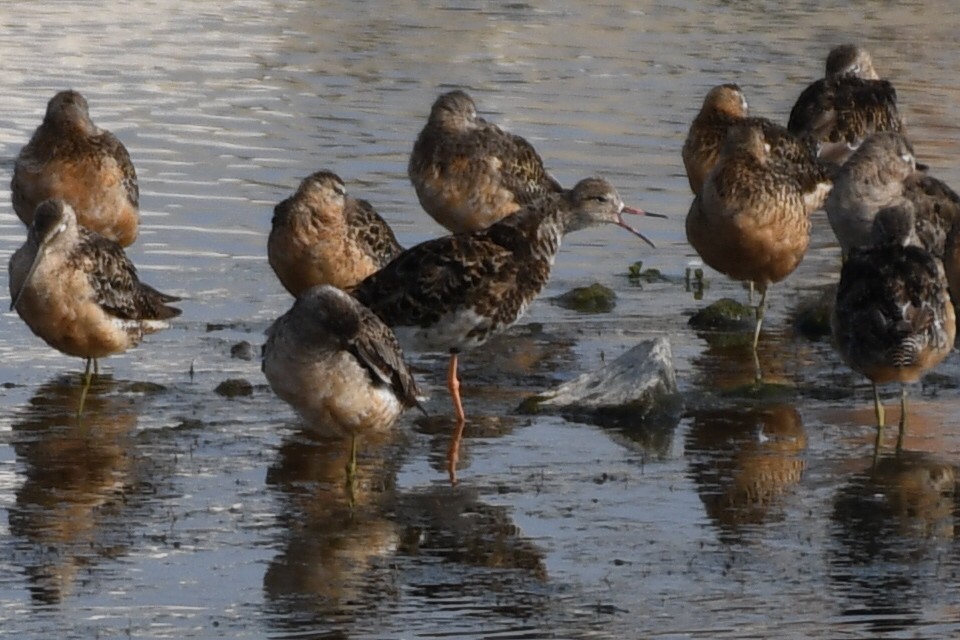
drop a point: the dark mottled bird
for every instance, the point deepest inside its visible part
(79, 291)
(71, 159)
(839, 111)
(725, 106)
(750, 221)
(338, 365)
(469, 173)
(322, 235)
(893, 319)
(452, 293)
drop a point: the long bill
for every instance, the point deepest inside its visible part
(637, 212)
(26, 281)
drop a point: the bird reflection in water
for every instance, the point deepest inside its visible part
(341, 563)
(70, 510)
(334, 537)
(744, 460)
(889, 525)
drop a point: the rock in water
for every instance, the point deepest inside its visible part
(640, 383)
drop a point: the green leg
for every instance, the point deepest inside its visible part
(352, 469)
(87, 380)
(760, 309)
(903, 417)
(878, 411)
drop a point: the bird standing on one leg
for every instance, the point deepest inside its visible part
(80, 292)
(750, 221)
(338, 365)
(452, 293)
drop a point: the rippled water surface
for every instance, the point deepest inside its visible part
(175, 511)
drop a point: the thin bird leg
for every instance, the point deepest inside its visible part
(750, 293)
(760, 309)
(903, 417)
(96, 366)
(87, 380)
(453, 453)
(352, 468)
(453, 384)
(878, 410)
(877, 406)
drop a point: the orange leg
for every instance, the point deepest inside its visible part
(453, 452)
(453, 384)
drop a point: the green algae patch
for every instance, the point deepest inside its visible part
(595, 298)
(725, 314)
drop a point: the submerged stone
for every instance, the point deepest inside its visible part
(243, 350)
(639, 385)
(234, 387)
(595, 298)
(725, 314)
(811, 317)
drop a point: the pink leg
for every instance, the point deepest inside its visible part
(453, 384)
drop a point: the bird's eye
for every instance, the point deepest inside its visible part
(602, 198)
(855, 68)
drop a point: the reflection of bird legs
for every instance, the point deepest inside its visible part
(453, 452)
(87, 380)
(878, 411)
(351, 469)
(903, 417)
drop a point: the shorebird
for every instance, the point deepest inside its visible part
(893, 319)
(840, 110)
(338, 365)
(452, 293)
(882, 173)
(469, 173)
(750, 221)
(72, 159)
(725, 106)
(321, 235)
(79, 292)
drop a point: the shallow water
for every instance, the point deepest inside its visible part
(172, 511)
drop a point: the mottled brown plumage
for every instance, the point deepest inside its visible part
(321, 235)
(893, 319)
(842, 109)
(469, 173)
(79, 292)
(452, 293)
(71, 159)
(750, 221)
(726, 106)
(337, 364)
(882, 173)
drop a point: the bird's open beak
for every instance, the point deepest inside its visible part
(637, 212)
